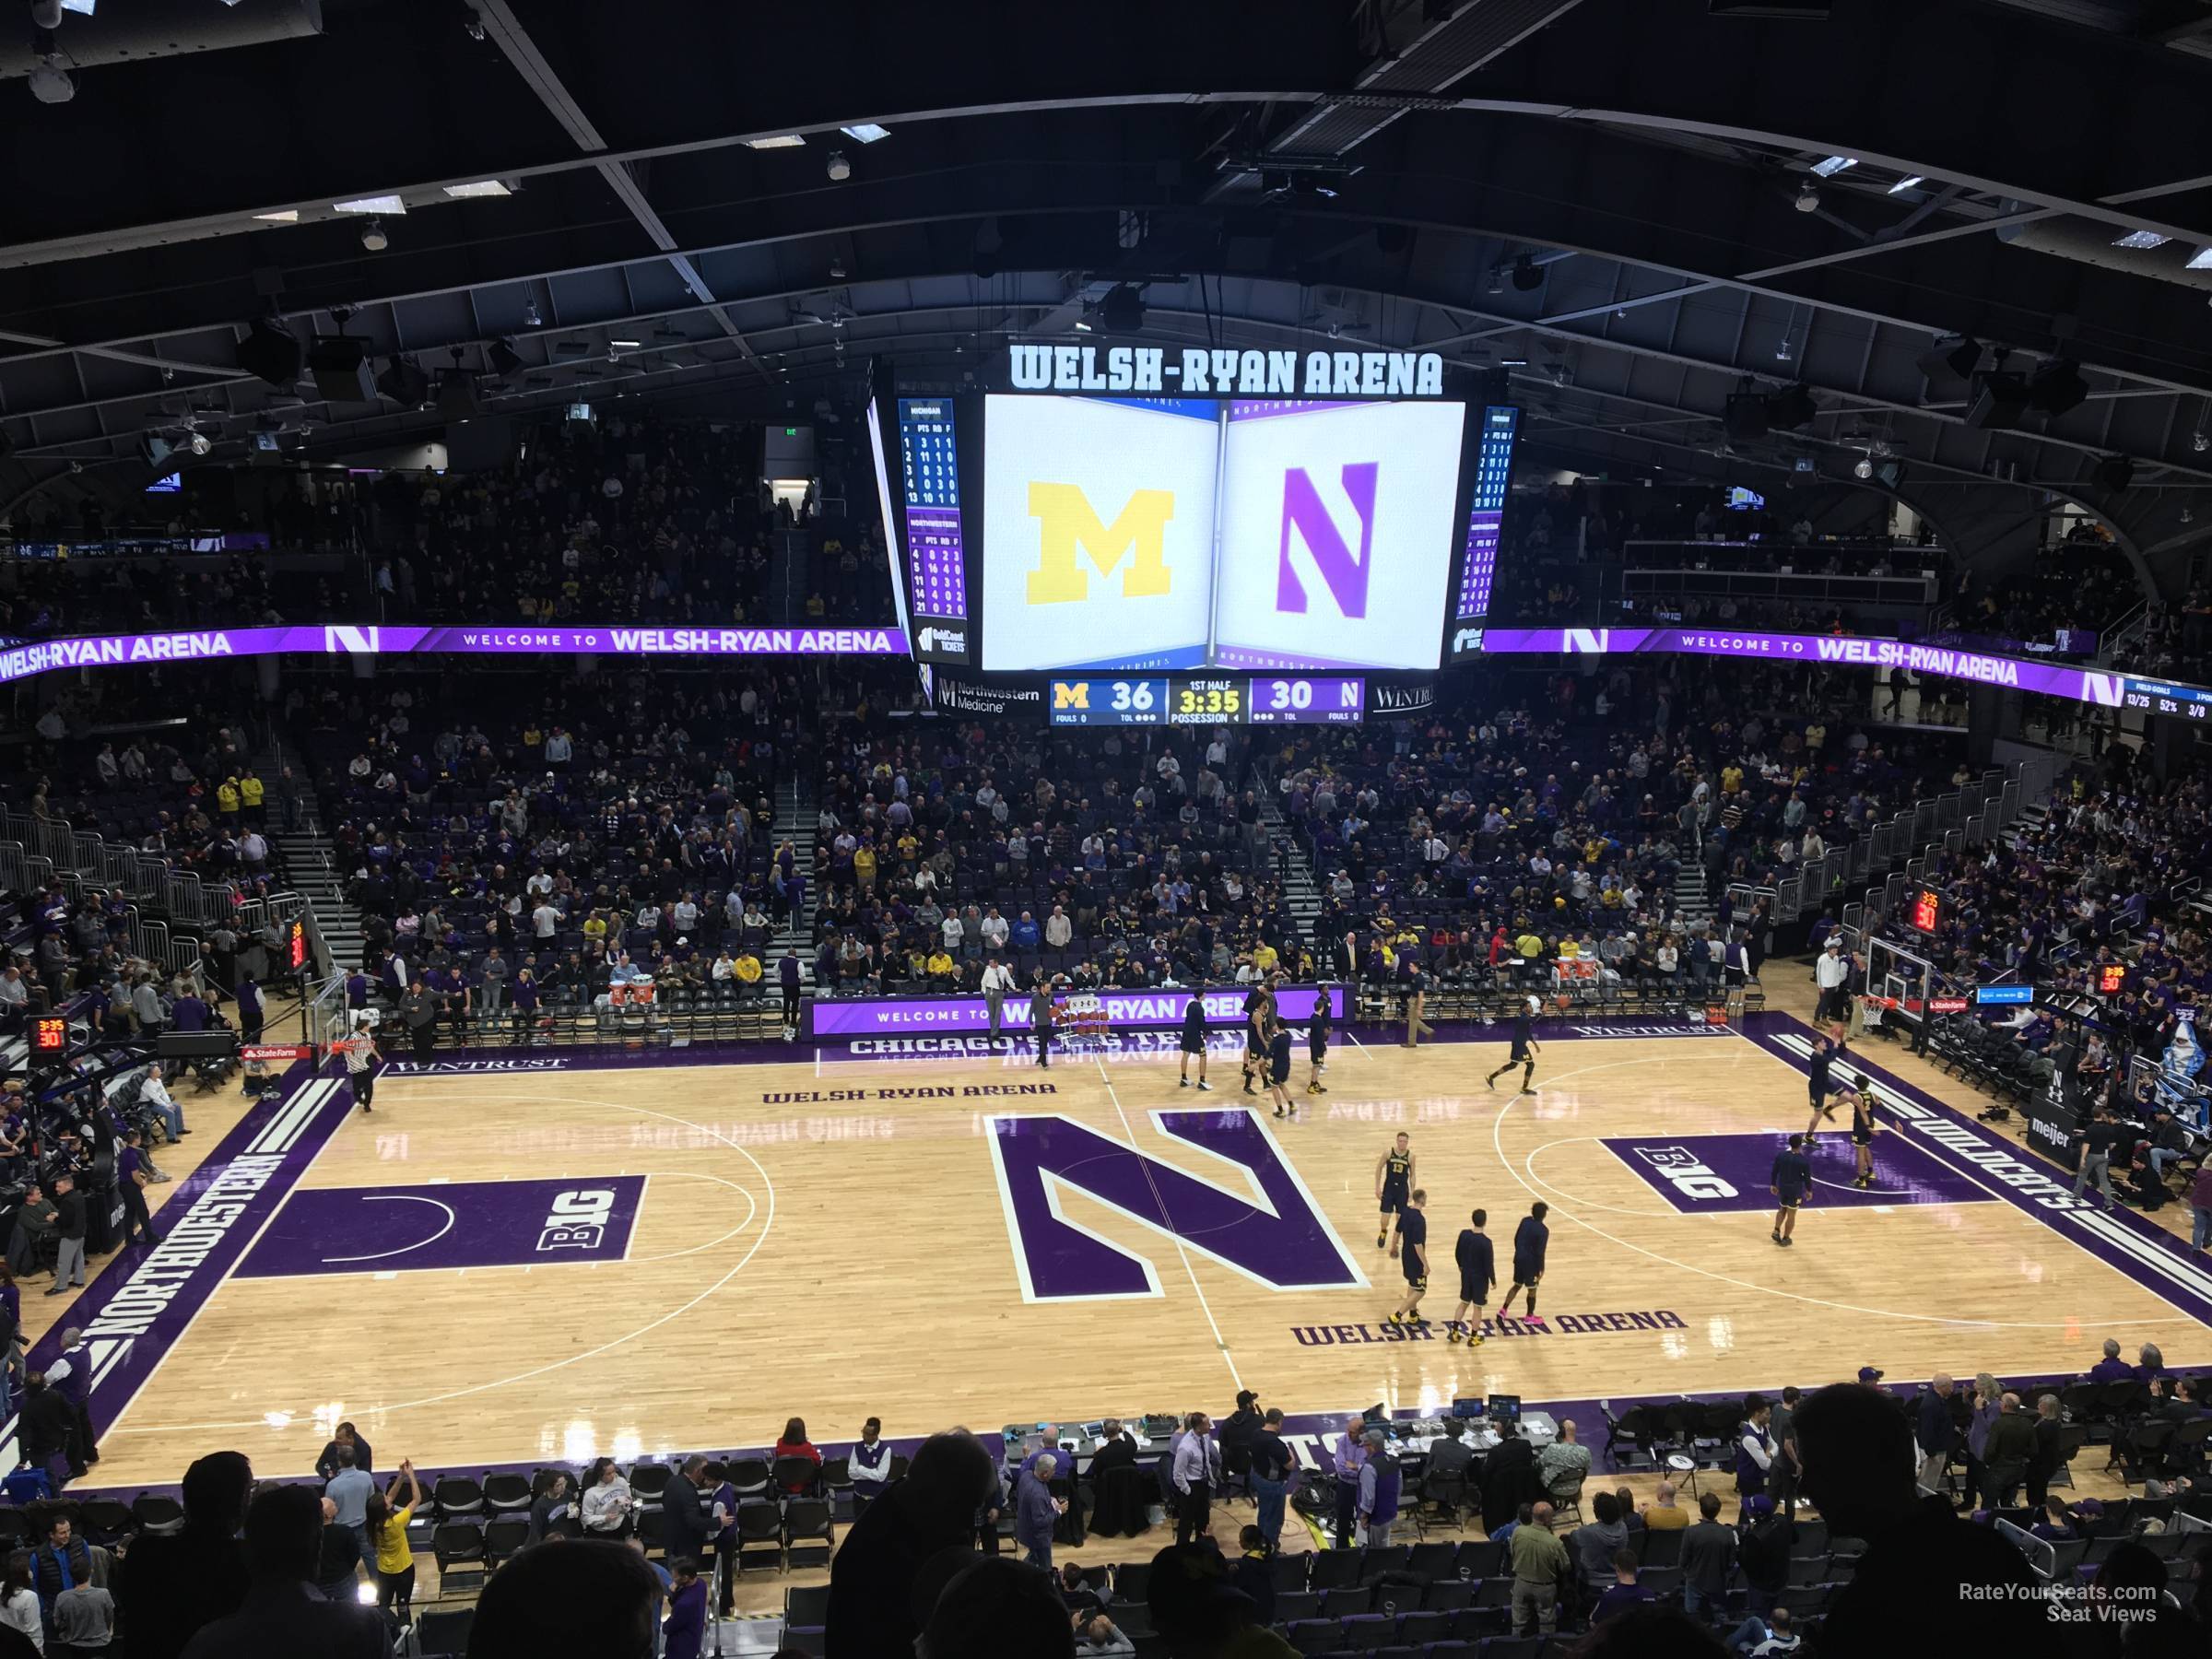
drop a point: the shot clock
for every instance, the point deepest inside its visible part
(1202, 702)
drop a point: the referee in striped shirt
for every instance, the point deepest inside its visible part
(360, 1061)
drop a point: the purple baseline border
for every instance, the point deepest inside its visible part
(245, 1186)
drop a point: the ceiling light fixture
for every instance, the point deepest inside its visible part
(2142, 241)
(1834, 165)
(837, 266)
(380, 204)
(374, 237)
(840, 168)
(530, 316)
(2201, 260)
(624, 344)
(865, 131)
(1808, 198)
(283, 216)
(781, 141)
(482, 187)
(1863, 467)
(1905, 183)
(200, 444)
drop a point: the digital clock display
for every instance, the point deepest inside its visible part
(1927, 910)
(1209, 702)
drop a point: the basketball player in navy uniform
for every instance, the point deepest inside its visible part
(1275, 1065)
(1394, 1180)
(1478, 1272)
(1864, 1125)
(1531, 1241)
(1791, 1181)
(1317, 1045)
(1259, 1013)
(1194, 1041)
(1413, 1248)
(1827, 1047)
(1525, 1047)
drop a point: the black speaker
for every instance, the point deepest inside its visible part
(2114, 473)
(270, 353)
(1123, 310)
(2057, 387)
(457, 394)
(1789, 409)
(404, 383)
(1747, 417)
(341, 370)
(1997, 402)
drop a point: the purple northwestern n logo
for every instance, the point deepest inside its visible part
(1272, 1232)
(1345, 573)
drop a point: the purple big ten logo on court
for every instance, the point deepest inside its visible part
(1054, 1173)
(1703, 1172)
(445, 1225)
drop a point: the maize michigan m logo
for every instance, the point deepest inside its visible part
(1067, 522)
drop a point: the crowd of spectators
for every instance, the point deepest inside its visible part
(597, 833)
(640, 520)
(1105, 858)
(1554, 833)
(1863, 1521)
(2068, 596)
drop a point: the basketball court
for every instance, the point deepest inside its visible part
(539, 1258)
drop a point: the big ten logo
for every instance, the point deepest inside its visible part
(1685, 1172)
(1067, 522)
(579, 1219)
(1311, 528)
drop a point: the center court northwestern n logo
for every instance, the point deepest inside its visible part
(1066, 521)
(1265, 1225)
(1344, 572)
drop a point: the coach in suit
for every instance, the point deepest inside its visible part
(683, 1512)
(1118, 1499)
(1508, 1478)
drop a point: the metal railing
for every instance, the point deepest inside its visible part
(1968, 817)
(45, 853)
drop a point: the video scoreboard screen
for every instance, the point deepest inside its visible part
(2165, 697)
(1133, 512)
(1208, 700)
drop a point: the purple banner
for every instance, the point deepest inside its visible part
(19, 662)
(2077, 684)
(893, 1016)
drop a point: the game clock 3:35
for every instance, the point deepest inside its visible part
(1209, 700)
